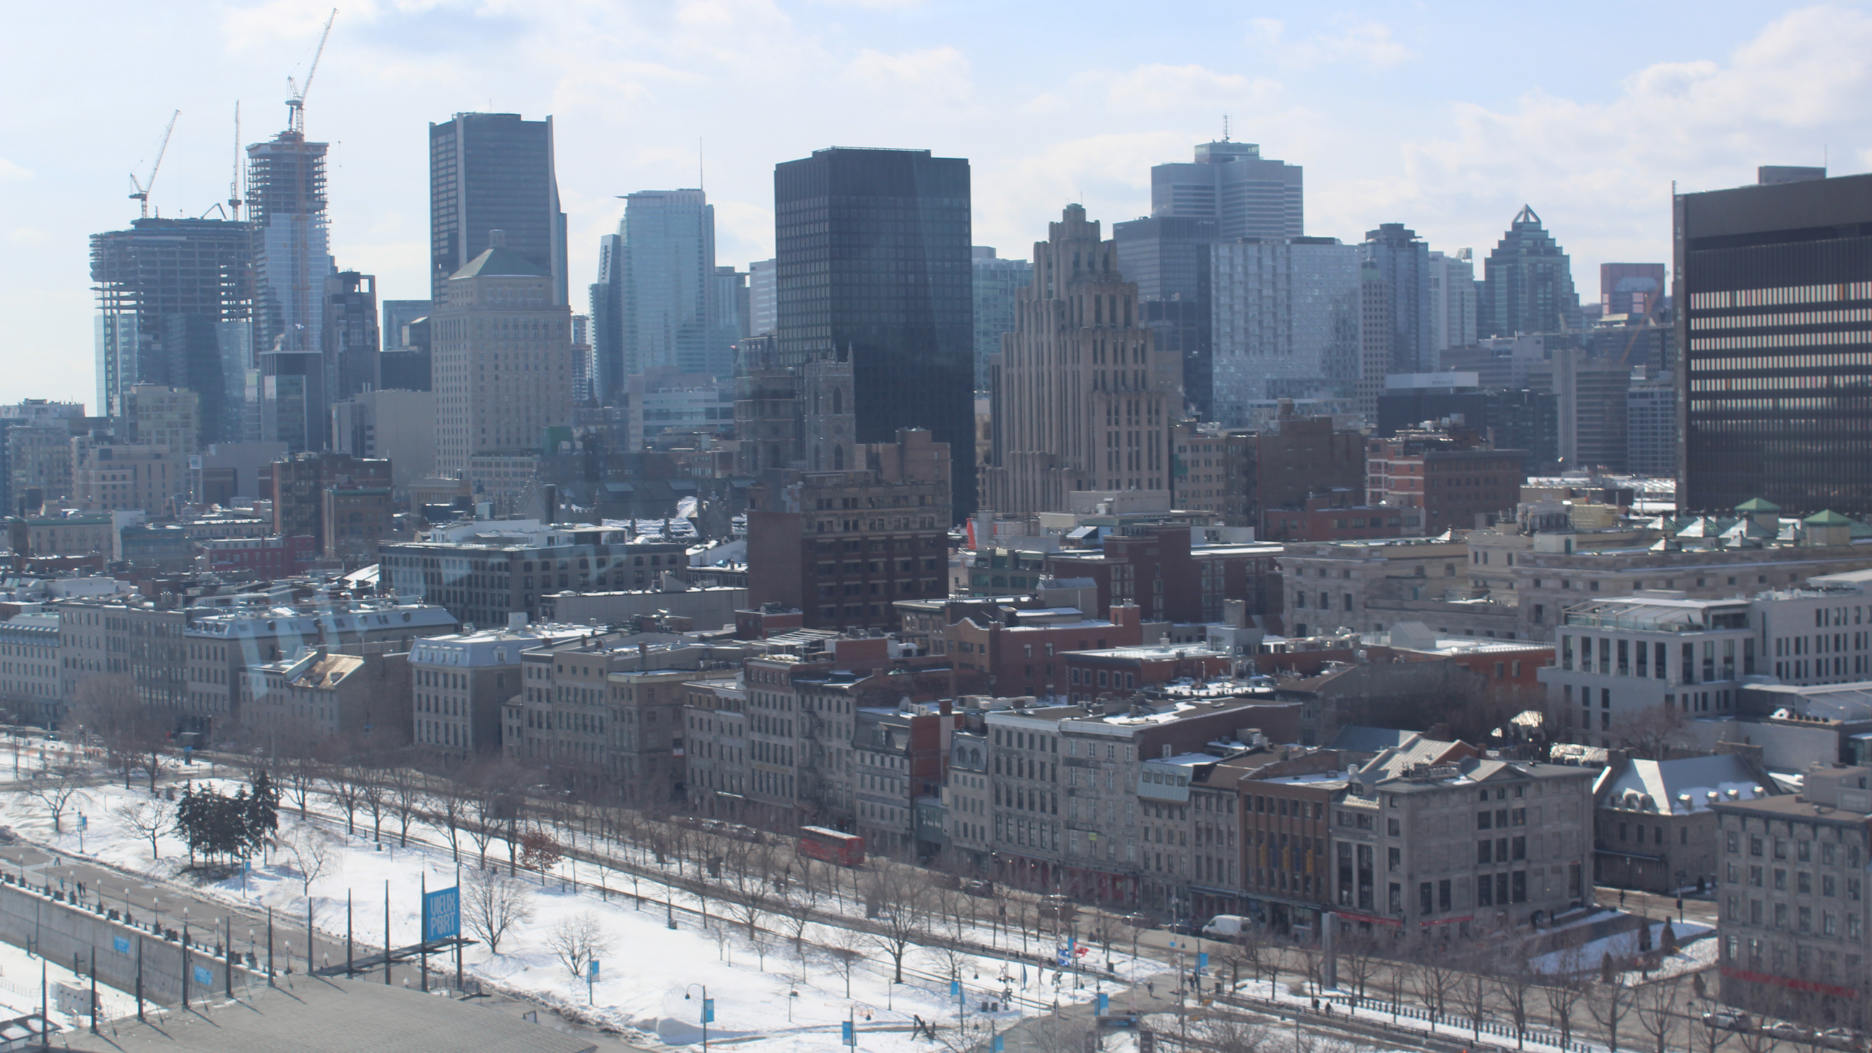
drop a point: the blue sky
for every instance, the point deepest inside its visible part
(1446, 117)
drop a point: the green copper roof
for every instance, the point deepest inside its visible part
(1756, 504)
(1827, 518)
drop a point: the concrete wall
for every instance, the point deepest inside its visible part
(59, 930)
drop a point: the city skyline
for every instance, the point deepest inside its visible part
(1083, 120)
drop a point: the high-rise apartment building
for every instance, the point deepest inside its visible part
(488, 172)
(997, 283)
(1231, 184)
(1631, 288)
(607, 321)
(1403, 263)
(1167, 258)
(1773, 294)
(667, 294)
(168, 417)
(503, 358)
(1083, 399)
(1284, 319)
(1527, 282)
(175, 302)
(872, 260)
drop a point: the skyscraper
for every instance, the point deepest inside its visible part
(1527, 283)
(503, 358)
(487, 172)
(763, 299)
(668, 286)
(607, 321)
(175, 307)
(1452, 300)
(1773, 292)
(1083, 400)
(396, 315)
(1231, 184)
(352, 344)
(1403, 263)
(997, 283)
(1285, 321)
(872, 258)
(1167, 257)
(292, 259)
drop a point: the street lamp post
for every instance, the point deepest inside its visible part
(707, 1014)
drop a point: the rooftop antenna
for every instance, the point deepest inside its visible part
(1225, 137)
(142, 192)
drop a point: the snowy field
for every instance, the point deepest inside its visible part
(766, 996)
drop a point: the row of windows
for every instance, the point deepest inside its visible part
(1786, 295)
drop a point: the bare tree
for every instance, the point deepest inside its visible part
(57, 789)
(1658, 1008)
(1358, 958)
(311, 852)
(342, 784)
(149, 819)
(1654, 732)
(902, 901)
(492, 904)
(1472, 985)
(1231, 1034)
(373, 793)
(453, 807)
(405, 786)
(1434, 975)
(577, 941)
(748, 871)
(298, 765)
(1610, 1003)
(105, 705)
(1514, 978)
(798, 904)
(1563, 994)
(847, 949)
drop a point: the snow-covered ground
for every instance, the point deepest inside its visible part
(19, 988)
(1587, 956)
(787, 1002)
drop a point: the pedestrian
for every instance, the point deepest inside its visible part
(1150, 988)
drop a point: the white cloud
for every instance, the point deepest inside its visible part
(1600, 172)
(12, 173)
(1356, 42)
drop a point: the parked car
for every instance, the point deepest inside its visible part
(1840, 1038)
(1057, 907)
(979, 888)
(1729, 1019)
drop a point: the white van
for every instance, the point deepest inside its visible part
(1225, 926)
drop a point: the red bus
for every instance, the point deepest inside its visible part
(832, 846)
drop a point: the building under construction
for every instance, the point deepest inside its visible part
(292, 259)
(175, 306)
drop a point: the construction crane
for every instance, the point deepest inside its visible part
(295, 103)
(234, 196)
(142, 192)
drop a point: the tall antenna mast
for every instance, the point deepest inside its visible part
(1225, 127)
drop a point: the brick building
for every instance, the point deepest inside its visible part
(842, 545)
(1457, 487)
(1156, 568)
(1024, 653)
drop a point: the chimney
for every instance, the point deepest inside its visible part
(497, 238)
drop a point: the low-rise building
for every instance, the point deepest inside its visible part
(1431, 833)
(318, 695)
(460, 681)
(1792, 906)
(31, 686)
(1654, 823)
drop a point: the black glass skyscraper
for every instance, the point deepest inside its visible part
(1773, 287)
(872, 256)
(488, 172)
